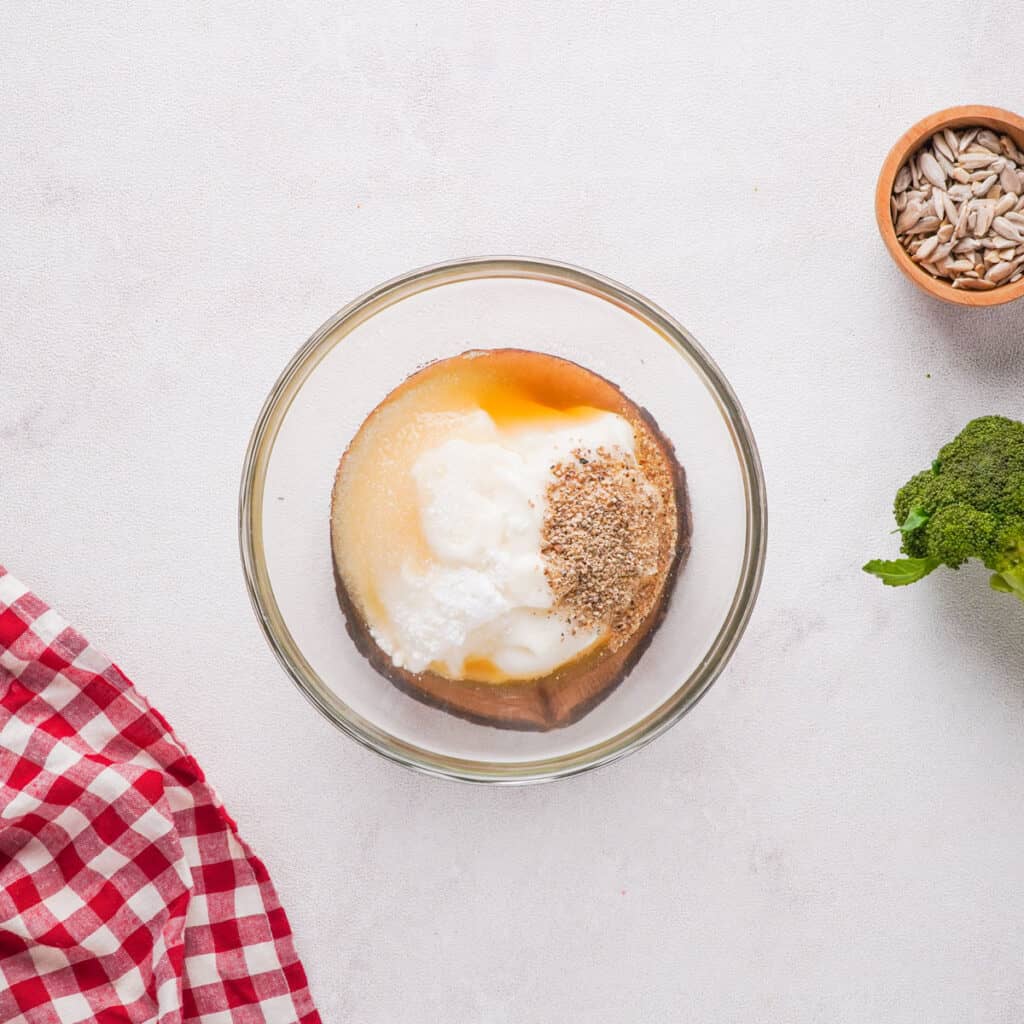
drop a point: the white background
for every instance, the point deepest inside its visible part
(187, 191)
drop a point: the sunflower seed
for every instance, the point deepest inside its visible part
(915, 174)
(924, 226)
(1000, 272)
(973, 161)
(927, 247)
(962, 221)
(931, 170)
(952, 142)
(1008, 179)
(942, 147)
(967, 245)
(1007, 229)
(967, 138)
(1006, 203)
(960, 192)
(1015, 218)
(950, 207)
(988, 139)
(958, 266)
(979, 188)
(902, 182)
(973, 284)
(945, 233)
(939, 203)
(909, 217)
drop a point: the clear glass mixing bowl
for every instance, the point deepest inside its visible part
(351, 363)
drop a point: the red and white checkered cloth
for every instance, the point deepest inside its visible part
(126, 894)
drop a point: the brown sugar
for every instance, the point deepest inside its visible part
(608, 538)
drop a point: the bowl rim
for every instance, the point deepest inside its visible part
(952, 117)
(275, 631)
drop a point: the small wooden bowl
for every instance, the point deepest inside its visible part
(1001, 121)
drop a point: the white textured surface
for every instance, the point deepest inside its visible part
(836, 833)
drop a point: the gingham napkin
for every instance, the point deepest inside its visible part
(126, 894)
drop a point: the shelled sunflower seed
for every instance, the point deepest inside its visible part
(958, 208)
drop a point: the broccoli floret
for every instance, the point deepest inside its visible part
(970, 504)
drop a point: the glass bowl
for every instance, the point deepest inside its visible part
(354, 360)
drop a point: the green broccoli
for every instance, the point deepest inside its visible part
(970, 504)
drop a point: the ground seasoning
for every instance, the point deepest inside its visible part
(608, 538)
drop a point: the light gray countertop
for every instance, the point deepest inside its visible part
(835, 834)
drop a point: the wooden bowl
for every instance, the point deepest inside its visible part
(955, 117)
